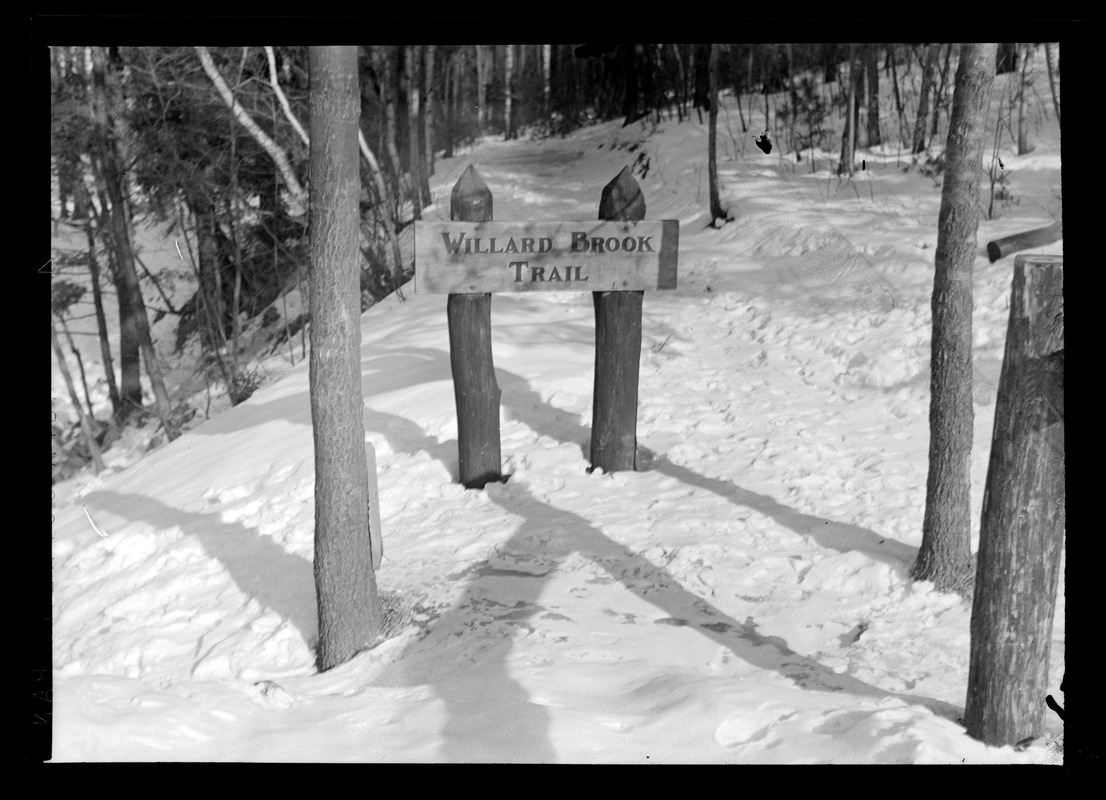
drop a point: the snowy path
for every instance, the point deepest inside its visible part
(741, 598)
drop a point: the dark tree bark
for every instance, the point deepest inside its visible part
(452, 85)
(430, 96)
(871, 79)
(945, 554)
(701, 75)
(508, 92)
(84, 206)
(483, 78)
(847, 165)
(1024, 85)
(1053, 83)
(420, 192)
(1022, 530)
(105, 108)
(939, 100)
(1006, 58)
(130, 355)
(895, 86)
(630, 87)
(345, 585)
(928, 70)
(385, 69)
(716, 210)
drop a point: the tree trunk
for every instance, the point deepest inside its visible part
(80, 367)
(382, 64)
(716, 210)
(1022, 530)
(1006, 58)
(945, 554)
(84, 202)
(1053, 78)
(939, 101)
(1023, 124)
(280, 158)
(895, 86)
(482, 79)
(429, 95)
(114, 179)
(871, 77)
(630, 86)
(508, 90)
(345, 585)
(420, 192)
(920, 121)
(385, 206)
(86, 425)
(848, 139)
(449, 84)
(547, 64)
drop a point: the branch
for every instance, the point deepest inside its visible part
(272, 148)
(281, 96)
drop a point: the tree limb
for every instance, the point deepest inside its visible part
(282, 97)
(272, 148)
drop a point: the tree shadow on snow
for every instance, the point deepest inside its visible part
(466, 653)
(527, 406)
(261, 568)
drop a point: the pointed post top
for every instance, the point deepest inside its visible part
(622, 199)
(471, 199)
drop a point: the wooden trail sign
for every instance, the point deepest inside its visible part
(484, 257)
(616, 258)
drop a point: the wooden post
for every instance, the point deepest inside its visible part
(470, 354)
(617, 347)
(1038, 237)
(1022, 529)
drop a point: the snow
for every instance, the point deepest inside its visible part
(741, 598)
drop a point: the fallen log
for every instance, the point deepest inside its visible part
(1023, 241)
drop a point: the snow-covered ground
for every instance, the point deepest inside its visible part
(742, 598)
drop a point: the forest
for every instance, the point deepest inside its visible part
(228, 159)
(211, 144)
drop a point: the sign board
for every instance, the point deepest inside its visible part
(486, 257)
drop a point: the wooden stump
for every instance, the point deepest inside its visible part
(617, 347)
(1022, 528)
(1038, 237)
(470, 354)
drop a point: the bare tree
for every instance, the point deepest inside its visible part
(1053, 80)
(1024, 84)
(848, 139)
(871, 80)
(85, 418)
(945, 554)
(716, 210)
(345, 584)
(430, 95)
(275, 151)
(929, 68)
(106, 109)
(508, 89)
